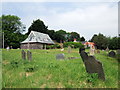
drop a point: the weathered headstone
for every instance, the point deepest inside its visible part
(107, 49)
(118, 51)
(69, 49)
(29, 55)
(73, 57)
(84, 56)
(98, 51)
(92, 51)
(60, 56)
(112, 54)
(81, 49)
(92, 65)
(23, 54)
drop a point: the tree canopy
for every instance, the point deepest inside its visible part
(39, 26)
(12, 28)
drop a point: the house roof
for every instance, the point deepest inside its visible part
(38, 37)
(89, 43)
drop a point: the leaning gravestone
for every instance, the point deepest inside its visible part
(23, 55)
(112, 54)
(69, 49)
(29, 55)
(60, 56)
(92, 65)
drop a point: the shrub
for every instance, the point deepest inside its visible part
(73, 44)
(53, 46)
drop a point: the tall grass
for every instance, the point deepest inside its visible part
(44, 71)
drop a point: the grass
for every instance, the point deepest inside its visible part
(44, 71)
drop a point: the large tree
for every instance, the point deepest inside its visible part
(60, 36)
(74, 35)
(12, 28)
(100, 41)
(39, 26)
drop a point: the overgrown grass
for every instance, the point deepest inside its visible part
(44, 71)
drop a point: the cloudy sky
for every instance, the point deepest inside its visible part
(85, 18)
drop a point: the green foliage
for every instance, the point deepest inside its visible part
(60, 36)
(53, 46)
(74, 35)
(39, 26)
(100, 41)
(82, 39)
(12, 28)
(73, 44)
(114, 43)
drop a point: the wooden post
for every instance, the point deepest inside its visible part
(3, 40)
(45, 46)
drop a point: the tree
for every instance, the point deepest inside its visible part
(38, 26)
(95, 35)
(51, 33)
(12, 28)
(100, 41)
(74, 35)
(82, 39)
(60, 35)
(114, 43)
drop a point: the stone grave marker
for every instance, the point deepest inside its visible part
(29, 55)
(81, 49)
(23, 55)
(118, 51)
(60, 56)
(84, 56)
(98, 51)
(73, 58)
(107, 49)
(92, 51)
(92, 65)
(112, 54)
(69, 49)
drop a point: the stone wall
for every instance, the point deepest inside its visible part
(32, 46)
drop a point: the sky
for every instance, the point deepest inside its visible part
(85, 18)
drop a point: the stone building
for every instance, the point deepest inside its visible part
(36, 40)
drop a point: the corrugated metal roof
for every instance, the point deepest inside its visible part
(38, 37)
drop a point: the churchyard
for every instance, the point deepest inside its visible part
(44, 70)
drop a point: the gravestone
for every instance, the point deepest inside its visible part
(92, 65)
(92, 51)
(118, 51)
(98, 51)
(112, 54)
(107, 49)
(23, 55)
(73, 57)
(84, 56)
(81, 49)
(60, 56)
(69, 49)
(29, 55)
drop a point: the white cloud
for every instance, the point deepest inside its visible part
(85, 18)
(88, 21)
(60, 0)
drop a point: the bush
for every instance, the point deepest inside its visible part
(73, 44)
(53, 46)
